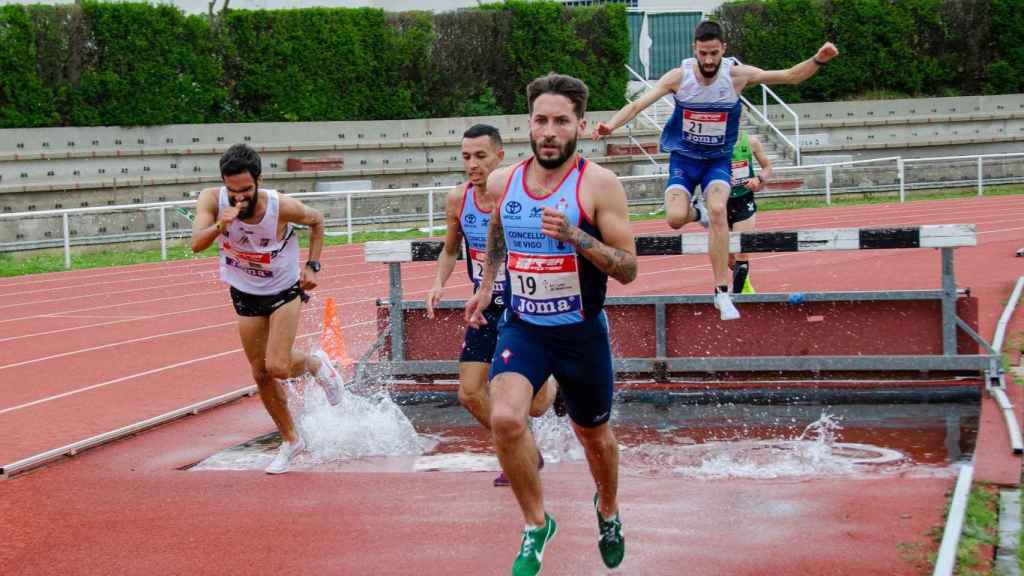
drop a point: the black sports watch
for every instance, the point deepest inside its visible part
(313, 265)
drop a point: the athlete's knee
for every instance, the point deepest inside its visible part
(506, 423)
(677, 218)
(279, 369)
(261, 376)
(717, 212)
(471, 397)
(598, 438)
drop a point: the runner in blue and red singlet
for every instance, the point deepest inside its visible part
(469, 211)
(564, 223)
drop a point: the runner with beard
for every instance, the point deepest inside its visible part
(700, 136)
(565, 223)
(259, 260)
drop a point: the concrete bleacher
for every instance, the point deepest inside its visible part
(64, 168)
(916, 127)
(74, 167)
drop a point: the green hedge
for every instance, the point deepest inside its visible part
(904, 47)
(141, 64)
(24, 100)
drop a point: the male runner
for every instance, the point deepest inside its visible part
(565, 223)
(469, 210)
(742, 208)
(701, 133)
(259, 260)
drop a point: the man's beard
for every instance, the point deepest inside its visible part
(250, 206)
(551, 163)
(711, 74)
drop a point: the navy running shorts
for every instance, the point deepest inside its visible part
(692, 172)
(478, 343)
(740, 208)
(578, 355)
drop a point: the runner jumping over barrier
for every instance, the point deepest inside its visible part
(701, 134)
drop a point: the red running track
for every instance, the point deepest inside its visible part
(88, 351)
(84, 352)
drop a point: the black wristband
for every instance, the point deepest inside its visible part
(313, 265)
(819, 62)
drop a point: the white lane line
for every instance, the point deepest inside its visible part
(221, 289)
(153, 371)
(116, 380)
(151, 337)
(211, 280)
(111, 323)
(113, 344)
(91, 317)
(205, 266)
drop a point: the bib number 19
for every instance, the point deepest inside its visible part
(527, 285)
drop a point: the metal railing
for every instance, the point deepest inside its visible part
(349, 221)
(765, 92)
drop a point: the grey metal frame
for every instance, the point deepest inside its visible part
(662, 365)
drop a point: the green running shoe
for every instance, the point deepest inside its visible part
(531, 552)
(611, 542)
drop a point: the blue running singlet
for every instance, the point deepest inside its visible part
(547, 282)
(706, 118)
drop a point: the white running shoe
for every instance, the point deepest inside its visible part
(328, 378)
(283, 461)
(724, 304)
(702, 211)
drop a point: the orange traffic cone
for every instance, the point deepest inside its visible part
(332, 340)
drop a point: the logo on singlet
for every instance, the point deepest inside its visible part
(470, 218)
(513, 207)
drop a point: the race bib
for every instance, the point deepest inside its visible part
(256, 264)
(706, 128)
(477, 260)
(544, 285)
(740, 172)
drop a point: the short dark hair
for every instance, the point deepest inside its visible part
(478, 130)
(572, 88)
(708, 30)
(240, 158)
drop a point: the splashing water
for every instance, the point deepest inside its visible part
(814, 452)
(555, 438)
(357, 427)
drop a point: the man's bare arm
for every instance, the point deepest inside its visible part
(617, 263)
(205, 227)
(298, 213)
(751, 75)
(452, 237)
(616, 254)
(667, 84)
(762, 159)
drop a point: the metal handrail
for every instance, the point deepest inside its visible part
(765, 91)
(764, 119)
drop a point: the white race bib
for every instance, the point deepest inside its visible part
(706, 128)
(544, 285)
(740, 172)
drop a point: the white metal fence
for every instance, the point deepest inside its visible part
(377, 209)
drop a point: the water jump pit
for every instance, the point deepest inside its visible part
(659, 437)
